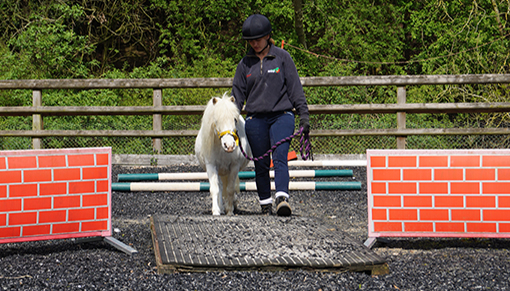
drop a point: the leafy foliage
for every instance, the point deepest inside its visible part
(48, 46)
(198, 38)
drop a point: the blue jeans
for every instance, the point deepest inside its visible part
(263, 131)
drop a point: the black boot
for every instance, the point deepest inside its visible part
(283, 206)
(267, 209)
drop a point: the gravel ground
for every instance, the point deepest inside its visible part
(415, 264)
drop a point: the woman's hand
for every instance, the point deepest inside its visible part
(305, 124)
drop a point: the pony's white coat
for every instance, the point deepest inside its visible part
(221, 157)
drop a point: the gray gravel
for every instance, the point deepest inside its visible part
(415, 264)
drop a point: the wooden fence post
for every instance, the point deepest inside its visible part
(156, 120)
(37, 123)
(401, 117)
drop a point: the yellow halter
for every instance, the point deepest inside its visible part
(232, 133)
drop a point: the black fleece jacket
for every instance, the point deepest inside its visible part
(270, 85)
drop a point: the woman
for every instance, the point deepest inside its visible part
(267, 80)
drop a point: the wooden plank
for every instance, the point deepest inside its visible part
(102, 110)
(412, 131)
(401, 116)
(157, 252)
(37, 122)
(390, 80)
(315, 133)
(405, 80)
(412, 108)
(156, 119)
(116, 83)
(100, 133)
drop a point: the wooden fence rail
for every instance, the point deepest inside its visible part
(401, 108)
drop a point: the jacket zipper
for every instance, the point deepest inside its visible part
(261, 61)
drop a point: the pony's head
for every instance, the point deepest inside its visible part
(222, 115)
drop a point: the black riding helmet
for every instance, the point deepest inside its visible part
(256, 26)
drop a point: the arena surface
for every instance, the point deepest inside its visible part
(414, 264)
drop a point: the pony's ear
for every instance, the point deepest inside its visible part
(214, 100)
(233, 99)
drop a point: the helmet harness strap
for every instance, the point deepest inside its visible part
(267, 44)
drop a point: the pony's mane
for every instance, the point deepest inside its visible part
(215, 113)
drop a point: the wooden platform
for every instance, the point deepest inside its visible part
(266, 243)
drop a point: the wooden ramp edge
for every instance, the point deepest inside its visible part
(257, 243)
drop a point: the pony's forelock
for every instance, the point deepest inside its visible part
(220, 108)
(226, 109)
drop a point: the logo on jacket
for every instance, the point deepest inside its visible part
(275, 70)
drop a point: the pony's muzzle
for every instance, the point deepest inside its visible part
(229, 140)
(228, 148)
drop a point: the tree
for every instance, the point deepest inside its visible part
(298, 22)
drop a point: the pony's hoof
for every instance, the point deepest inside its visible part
(229, 210)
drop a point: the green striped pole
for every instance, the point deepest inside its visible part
(242, 175)
(138, 177)
(244, 186)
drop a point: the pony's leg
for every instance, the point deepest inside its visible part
(228, 194)
(234, 188)
(236, 192)
(214, 189)
(221, 190)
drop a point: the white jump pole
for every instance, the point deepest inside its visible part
(242, 175)
(329, 163)
(244, 186)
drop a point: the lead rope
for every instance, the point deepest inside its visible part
(305, 148)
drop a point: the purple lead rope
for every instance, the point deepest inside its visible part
(305, 146)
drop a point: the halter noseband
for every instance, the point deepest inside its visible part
(232, 133)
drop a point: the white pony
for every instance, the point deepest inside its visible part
(217, 150)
